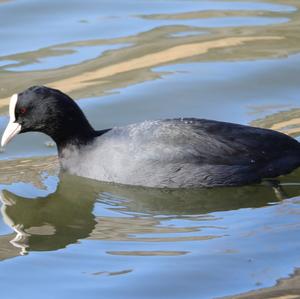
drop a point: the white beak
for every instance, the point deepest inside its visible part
(12, 128)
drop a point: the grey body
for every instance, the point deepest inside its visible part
(183, 153)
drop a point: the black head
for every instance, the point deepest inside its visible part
(47, 110)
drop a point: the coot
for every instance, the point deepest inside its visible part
(186, 152)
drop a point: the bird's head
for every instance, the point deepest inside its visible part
(46, 110)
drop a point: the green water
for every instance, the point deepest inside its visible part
(127, 61)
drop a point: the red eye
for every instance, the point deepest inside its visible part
(22, 110)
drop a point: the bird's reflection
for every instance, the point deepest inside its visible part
(51, 222)
(67, 215)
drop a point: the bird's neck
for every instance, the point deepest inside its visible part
(76, 141)
(80, 138)
(73, 134)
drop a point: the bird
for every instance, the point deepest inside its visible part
(166, 153)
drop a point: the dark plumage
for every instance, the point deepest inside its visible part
(184, 152)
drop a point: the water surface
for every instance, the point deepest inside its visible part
(127, 61)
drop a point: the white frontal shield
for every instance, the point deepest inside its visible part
(12, 128)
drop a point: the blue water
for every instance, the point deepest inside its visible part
(68, 237)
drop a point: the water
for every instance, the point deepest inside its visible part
(127, 61)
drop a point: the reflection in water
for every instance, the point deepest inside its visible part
(75, 55)
(207, 54)
(52, 222)
(121, 213)
(224, 23)
(287, 122)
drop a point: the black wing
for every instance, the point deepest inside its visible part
(222, 143)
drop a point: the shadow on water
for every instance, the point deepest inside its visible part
(67, 215)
